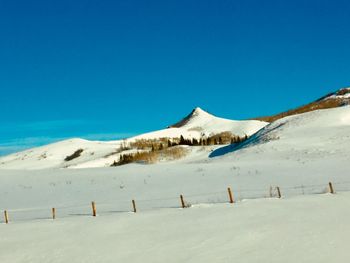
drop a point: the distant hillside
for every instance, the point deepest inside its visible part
(335, 99)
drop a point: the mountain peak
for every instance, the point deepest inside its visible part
(198, 110)
(195, 113)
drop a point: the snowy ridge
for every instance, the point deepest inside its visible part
(335, 99)
(340, 94)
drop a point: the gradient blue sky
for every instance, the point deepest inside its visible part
(109, 69)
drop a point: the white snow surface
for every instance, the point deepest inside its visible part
(306, 229)
(300, 154)
(103, 154)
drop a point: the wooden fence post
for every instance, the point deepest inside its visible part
(93, 208)
(134, 205)
(53, 210)
(182, 201)
(271, 191)
(230, 195)
(278, 192)
(6, 217)
(331, 190)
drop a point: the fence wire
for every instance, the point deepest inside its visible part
(125, 206)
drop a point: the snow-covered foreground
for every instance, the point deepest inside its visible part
(31, 194)
(300, 229)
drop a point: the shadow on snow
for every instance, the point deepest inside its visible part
(262, 136)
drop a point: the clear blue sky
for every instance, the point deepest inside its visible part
(107, 69)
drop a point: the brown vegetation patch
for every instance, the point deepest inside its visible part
(343, 92)
(317, 105)
(149, 157)
(147, 144)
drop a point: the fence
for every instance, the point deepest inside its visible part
(228, 195)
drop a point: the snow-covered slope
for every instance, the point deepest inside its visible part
(53, 155)
(335, 99)
(101, 154)
(309, 138)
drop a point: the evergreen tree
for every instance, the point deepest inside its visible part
(182, 140)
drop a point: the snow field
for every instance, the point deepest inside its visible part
(299, 229)
(32, 194)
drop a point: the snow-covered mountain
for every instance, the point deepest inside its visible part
(90, 154)
(200, 122)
